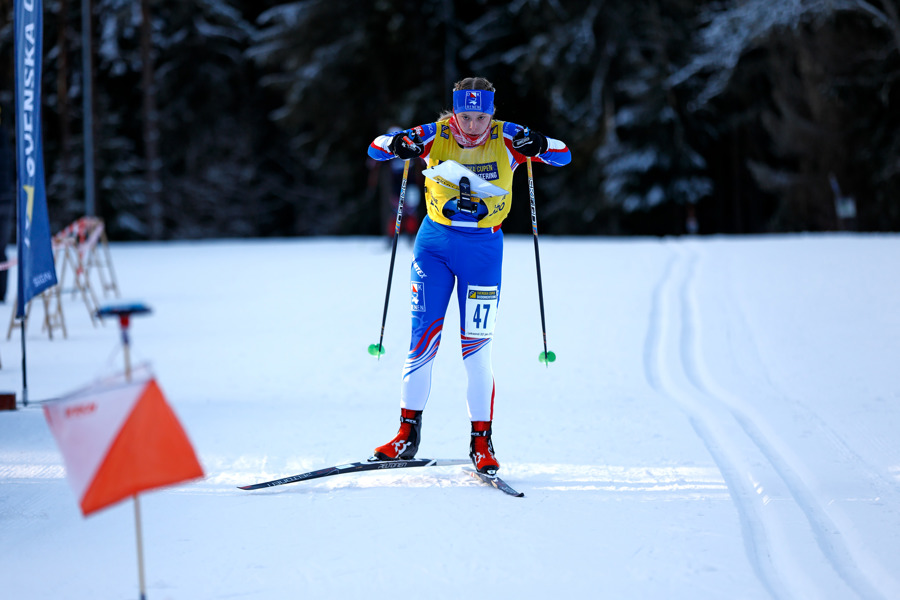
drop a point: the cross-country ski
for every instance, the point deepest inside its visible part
(357, 467)
(495, 481)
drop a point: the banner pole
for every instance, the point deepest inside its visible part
(36, 269)
(24, 372)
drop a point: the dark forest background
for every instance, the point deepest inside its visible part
(232, 118)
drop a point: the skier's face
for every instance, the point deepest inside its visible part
(473, 123)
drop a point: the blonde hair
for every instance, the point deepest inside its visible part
(474, 83)
(469, 83)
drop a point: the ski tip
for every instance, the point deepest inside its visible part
(255, 486)
(496, 482)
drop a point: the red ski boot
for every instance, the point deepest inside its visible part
(405, 445)
(481, 450)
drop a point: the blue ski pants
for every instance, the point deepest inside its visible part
(471, 259)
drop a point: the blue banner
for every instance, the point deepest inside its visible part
(36, 269)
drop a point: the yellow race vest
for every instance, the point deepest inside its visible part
(490, 161)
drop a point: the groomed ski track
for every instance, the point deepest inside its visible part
(799, 541)
(721, 423)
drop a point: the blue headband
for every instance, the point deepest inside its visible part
(473, 100)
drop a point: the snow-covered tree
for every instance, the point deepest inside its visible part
(210, 121)
(345, 71)
(648, 158)
(596, 74)
(808, 74)
(746, 109)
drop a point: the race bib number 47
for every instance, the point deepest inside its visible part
(481, 310)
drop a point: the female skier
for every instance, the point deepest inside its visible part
(460, 242)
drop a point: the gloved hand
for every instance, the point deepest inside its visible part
(529, 142)
(406, 145)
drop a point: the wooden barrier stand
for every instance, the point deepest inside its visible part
(83, 249)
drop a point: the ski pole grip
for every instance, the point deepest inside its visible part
(409, 143)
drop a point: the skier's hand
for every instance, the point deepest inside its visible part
(406, 145)
(529, 142)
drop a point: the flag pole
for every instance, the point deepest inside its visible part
(124, 319)
(124, 313)
(138, 531)
(140, 547)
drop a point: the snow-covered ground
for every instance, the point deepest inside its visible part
(722, 422)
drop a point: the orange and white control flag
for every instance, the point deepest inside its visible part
(119, 438)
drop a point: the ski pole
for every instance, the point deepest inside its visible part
(546, 356)
(378, 349)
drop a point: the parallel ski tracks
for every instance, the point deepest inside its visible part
(796, 549)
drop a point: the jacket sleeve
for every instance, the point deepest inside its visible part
(378, 149)
(557, 154)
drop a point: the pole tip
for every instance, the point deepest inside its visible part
(547, 357)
